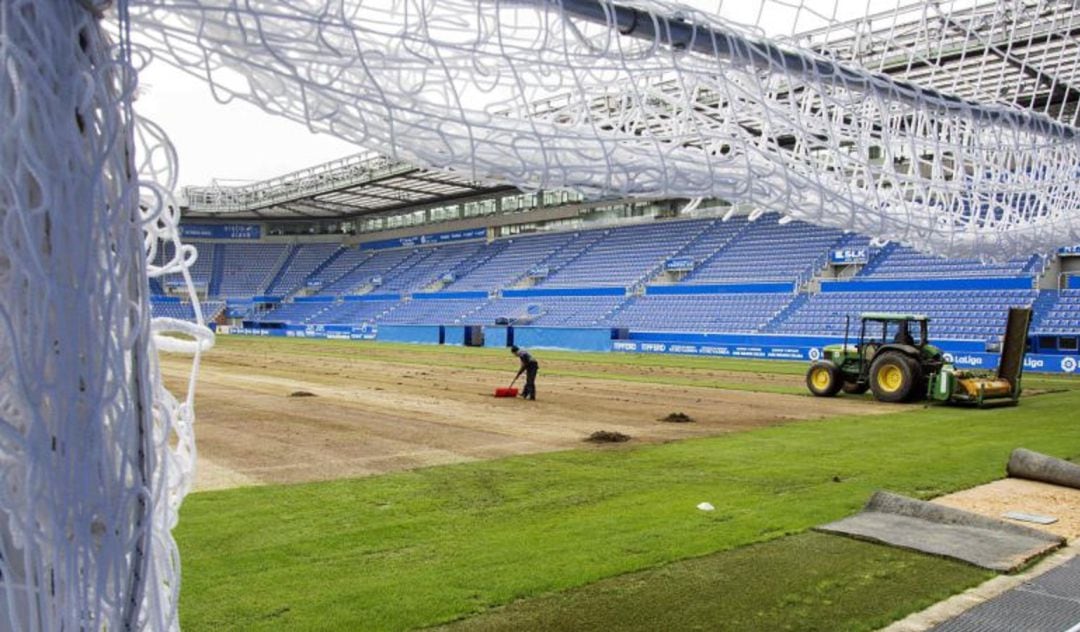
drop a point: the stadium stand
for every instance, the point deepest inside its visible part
(715, 236)
(373, 269)
(295, 313)
(734, 313)
(354, 312)
(565, 256)
(963, 314)
(303, 261)
(1058, 312)
(548, 311)
(767, 250)
(185, 311)
(431, 312)
(200, 271)
(440, 261)
(722, 252)
(895, 261)
(514, 258)
(625, 256)
(245, 269)
(340, 264)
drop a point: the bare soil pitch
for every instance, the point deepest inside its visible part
(370, 414)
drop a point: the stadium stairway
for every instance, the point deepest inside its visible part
(380, 263)
(401, 276)
(817, 267)
(564, 251)
(571, 252)
(877, 258)
(613, 315)
(478, 260)
(712, 242)
(1043, 307)
(778, 319)
(285, 266)
(280, 267)
(701, 243)
(625, 256)
(217, 271)
(656, 270)
(507, 260)
(305, 261)
(1037, 266)
(348, 261)
(319, 269)
(1062, 315)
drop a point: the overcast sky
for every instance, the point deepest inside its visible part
(230, 142)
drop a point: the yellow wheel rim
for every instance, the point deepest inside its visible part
(820, 378)
(890, 378)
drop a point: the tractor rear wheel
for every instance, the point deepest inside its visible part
(824, 379)
(856, 388)
(894, 377)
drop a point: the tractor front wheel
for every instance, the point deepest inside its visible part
(893, 377)
(824, 379)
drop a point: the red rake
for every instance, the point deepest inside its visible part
(507, 391)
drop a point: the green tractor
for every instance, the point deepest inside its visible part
(893, 358)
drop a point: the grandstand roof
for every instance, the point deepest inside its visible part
(363, 184)
(1032, 66)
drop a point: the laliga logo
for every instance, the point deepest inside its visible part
(964, 360)
(1033, 363)
(1068, 364)
(814, 353)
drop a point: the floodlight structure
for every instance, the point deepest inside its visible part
(947, 125)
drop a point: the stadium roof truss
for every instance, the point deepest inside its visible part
(1032, 68)
(359, 185)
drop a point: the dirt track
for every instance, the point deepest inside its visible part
(371, 414)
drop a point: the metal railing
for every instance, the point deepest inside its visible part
(331, 176)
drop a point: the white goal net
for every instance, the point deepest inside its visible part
(95, 454)
(946, 125)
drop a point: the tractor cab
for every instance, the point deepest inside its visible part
(892, 357)
(881, 329)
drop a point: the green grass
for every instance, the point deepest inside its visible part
(805, 582)
(430, 546)
(480, 357)
(693, 371)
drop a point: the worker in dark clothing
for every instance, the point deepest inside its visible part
(529, 366)
(903, 336)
